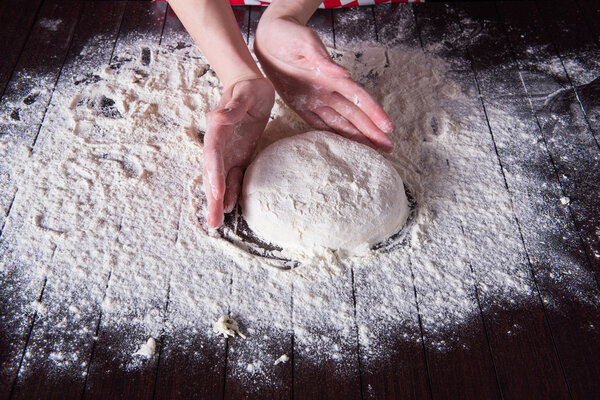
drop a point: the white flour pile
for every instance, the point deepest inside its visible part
(107, 208)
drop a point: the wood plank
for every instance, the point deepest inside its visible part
(58, 341)
(27, 95)
(579, 50)
(325, 362)
(559, 247)
(590, 9)
(116, 344)
(322, 23)
(575, 42)
(251, 372)
(578, 54)
(393, 364)
(29, 90)
(466, 348)
(539, 369)
(193, 362)
(254, 15)
(353, 26)
(320, 355)
(16, 22)
(395, 25)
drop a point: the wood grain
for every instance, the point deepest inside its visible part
(108, 376)
(194, 363)
(590, 9)
(394, 365)
(41, 377)
(536, 62)
(468, 349)
(16, 21)
(578, 54)
(558, 244)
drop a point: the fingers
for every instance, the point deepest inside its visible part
(341, 125)
(361, 121)
(363, 100)
(214, 186)
(234, 184)
(314, 120)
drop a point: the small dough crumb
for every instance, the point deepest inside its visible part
(284, 358)
(147, 349)
(227, 327)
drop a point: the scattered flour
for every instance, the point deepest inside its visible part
(50, 24)
(107, 219)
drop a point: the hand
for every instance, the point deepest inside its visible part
(233, 130)
(316, 88)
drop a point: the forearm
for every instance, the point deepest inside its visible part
(213, 27)
(299, 10)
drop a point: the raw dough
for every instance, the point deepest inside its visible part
(147, 349)
(318, 190)
(227, 327)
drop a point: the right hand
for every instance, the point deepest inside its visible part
(316, 88)
(233, 130)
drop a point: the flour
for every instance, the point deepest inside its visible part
(108, 220)
(50, 24)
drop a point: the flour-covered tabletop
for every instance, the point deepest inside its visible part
(111, 286)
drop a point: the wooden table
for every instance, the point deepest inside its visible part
(556, 352)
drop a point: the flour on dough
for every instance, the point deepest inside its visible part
(319, 192)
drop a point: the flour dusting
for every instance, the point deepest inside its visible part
(107, 220)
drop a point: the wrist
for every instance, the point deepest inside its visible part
(248, 76)
(298, 11)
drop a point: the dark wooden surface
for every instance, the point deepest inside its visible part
(497, 52)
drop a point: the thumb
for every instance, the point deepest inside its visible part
(234, 109)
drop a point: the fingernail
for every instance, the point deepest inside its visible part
(215, 192)
(215, 223)
(388, 143)
(226, 110)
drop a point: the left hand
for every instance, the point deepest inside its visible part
(233, 130)
(319, 90)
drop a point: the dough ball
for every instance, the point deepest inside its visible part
(319, 190)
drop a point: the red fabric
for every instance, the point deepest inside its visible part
(326, 3)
